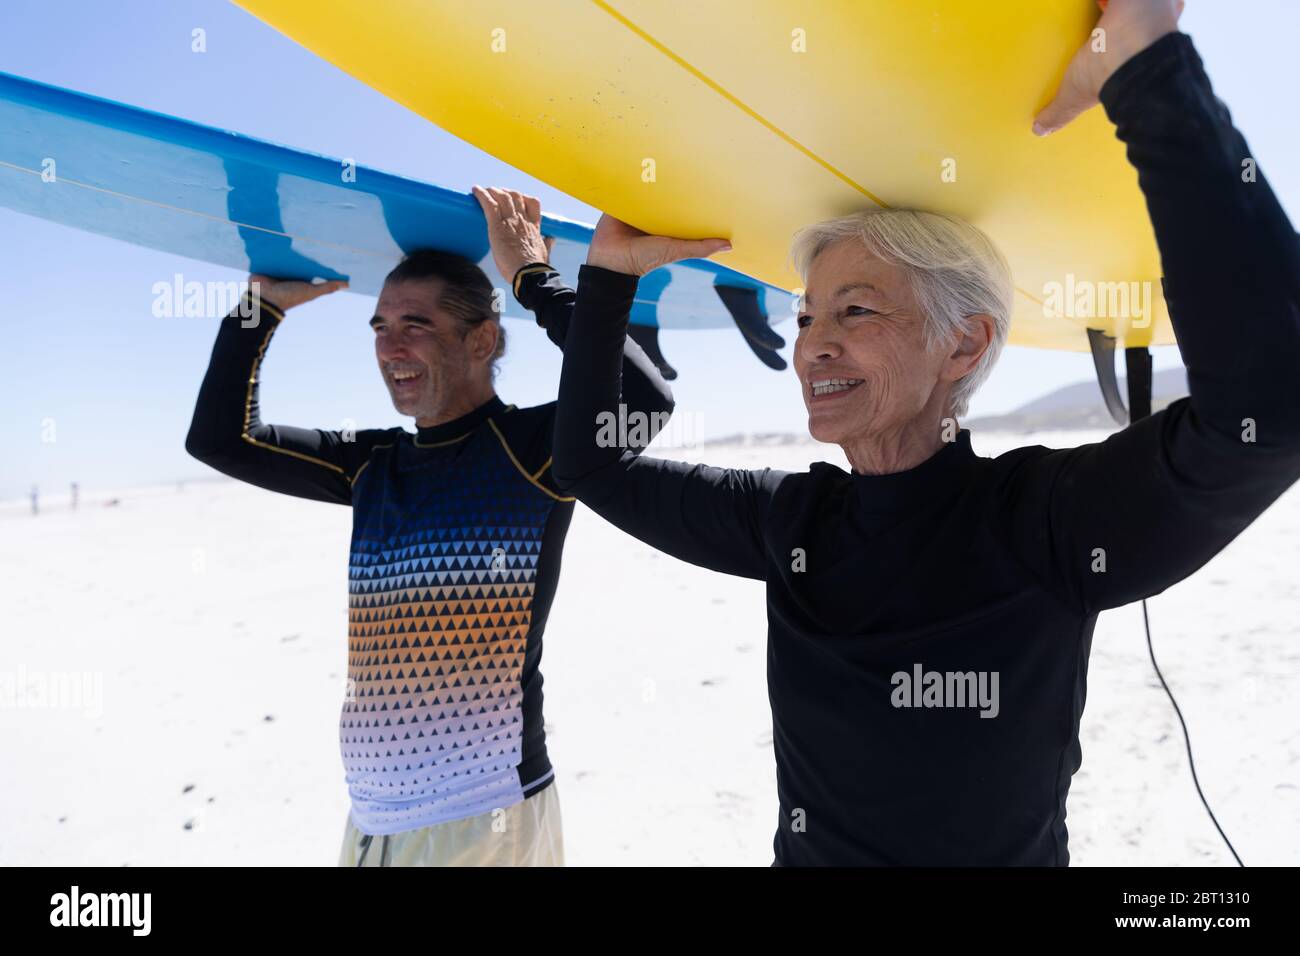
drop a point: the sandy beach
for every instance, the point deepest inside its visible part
(196, 641)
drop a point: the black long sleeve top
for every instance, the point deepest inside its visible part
(927, 657)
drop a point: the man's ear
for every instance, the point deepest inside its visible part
(484, 341)
(971, 346)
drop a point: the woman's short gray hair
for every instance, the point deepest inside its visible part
(956, 272)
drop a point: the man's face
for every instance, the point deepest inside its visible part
(860, 355)
(426, 356)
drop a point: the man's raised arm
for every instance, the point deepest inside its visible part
(521, 253)
(227, 432)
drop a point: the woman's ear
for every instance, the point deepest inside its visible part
(971, 346)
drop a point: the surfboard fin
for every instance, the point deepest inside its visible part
(747, 311)
(647, 336)
(1137, 362)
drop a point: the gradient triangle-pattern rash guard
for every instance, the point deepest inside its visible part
(457, 534)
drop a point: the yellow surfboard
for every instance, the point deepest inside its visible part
(751, 118)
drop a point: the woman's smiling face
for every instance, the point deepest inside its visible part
(860, 355)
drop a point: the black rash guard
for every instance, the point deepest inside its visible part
(457, 534)
(896, 601)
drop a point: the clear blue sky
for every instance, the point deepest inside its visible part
(82, 348)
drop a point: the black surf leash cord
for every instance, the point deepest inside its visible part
(1186, 736)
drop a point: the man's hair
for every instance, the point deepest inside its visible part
(955, 269)
(467, 293)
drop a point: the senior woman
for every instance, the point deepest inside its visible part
(930, 613)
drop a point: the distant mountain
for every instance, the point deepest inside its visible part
(1080, 406)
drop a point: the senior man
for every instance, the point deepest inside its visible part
(457, 536)
(930, 614)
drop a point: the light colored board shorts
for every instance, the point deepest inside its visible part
(526, 834)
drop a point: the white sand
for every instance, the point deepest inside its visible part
(215, 620)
